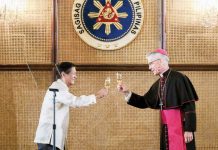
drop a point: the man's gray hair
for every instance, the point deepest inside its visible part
(155, 56)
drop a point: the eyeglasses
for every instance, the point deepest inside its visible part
(153, 62)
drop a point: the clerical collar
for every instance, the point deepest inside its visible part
(165, 73)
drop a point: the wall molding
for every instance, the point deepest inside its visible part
(108, 67)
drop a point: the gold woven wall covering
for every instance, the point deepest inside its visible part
(26, 32)
(72, 48)
(21, 99)
(206, 84)
(112, 124)
(188, 40)
(109, 124)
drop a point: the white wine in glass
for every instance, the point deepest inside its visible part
(107, 82)
(119, 78)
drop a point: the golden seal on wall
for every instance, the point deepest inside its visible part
(107, 24)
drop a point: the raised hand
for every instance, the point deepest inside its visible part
(123, 88)
(101, 93)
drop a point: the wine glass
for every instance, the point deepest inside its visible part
(119, 78)
(107, 82)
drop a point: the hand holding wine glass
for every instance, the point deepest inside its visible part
(120, 85)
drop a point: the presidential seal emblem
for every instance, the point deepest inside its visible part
(107, 24)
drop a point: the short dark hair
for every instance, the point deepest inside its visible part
(64, 67)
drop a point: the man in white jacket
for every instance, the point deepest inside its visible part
(64, 100)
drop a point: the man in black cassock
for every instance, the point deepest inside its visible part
(175, 96)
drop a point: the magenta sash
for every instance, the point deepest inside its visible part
(173, 119)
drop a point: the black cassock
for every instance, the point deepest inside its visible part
(178, 97)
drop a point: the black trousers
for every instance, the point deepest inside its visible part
(45, 147)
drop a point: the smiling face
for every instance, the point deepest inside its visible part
(155, 67)
(158, 61)
(69, 77)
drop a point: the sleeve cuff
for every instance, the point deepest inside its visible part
(93, 99)
(190, 121)
(127, 97)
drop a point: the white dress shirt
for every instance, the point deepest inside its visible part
(64, 100)
(128, 96)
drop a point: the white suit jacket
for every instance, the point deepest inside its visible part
(64, 100)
